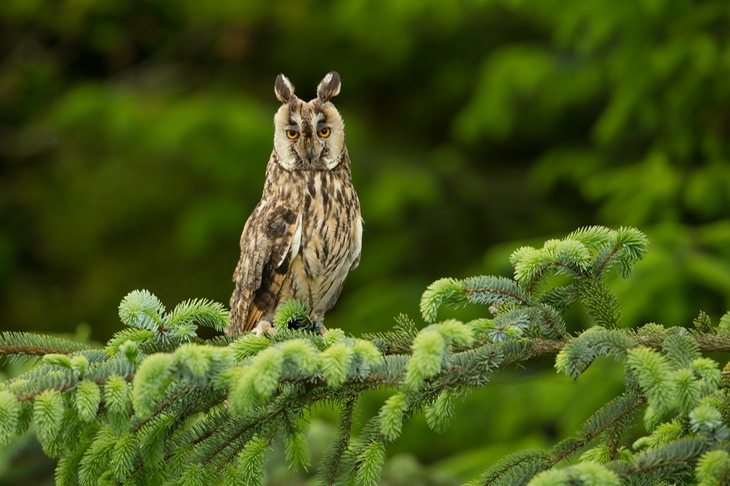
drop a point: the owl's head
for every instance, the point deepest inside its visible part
(308, 135)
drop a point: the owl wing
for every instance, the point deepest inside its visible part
(358, 239)
(270, 241)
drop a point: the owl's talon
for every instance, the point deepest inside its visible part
(264, 327)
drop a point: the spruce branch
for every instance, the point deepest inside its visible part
(331, 462)
(713, 468)
(31, 345)
(398, 340)
(611, 414)
(508, 465)
(296, 447)
(159, 404)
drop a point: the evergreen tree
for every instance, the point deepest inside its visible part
(160, 405)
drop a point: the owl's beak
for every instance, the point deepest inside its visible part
(308, 150)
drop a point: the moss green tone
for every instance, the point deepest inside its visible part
(133, 137)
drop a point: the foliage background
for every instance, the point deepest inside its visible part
(134, 136)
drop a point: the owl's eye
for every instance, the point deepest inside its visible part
(324, 132)
(292, 134)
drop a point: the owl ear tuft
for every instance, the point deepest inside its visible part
(329, 86)
(283, 89)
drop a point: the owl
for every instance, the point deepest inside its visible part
(305, 235)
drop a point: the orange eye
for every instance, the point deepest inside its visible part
(292, 134)
(324, 132)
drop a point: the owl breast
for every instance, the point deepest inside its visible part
(330, 243)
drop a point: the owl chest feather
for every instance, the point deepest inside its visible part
(330, 238)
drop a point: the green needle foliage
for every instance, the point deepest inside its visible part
(159, 405)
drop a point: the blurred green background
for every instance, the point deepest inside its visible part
(134, 138)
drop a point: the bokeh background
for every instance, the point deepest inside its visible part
(134, 137)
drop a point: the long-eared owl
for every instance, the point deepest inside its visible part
(305, 234)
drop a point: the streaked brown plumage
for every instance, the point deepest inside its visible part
(304, 236)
